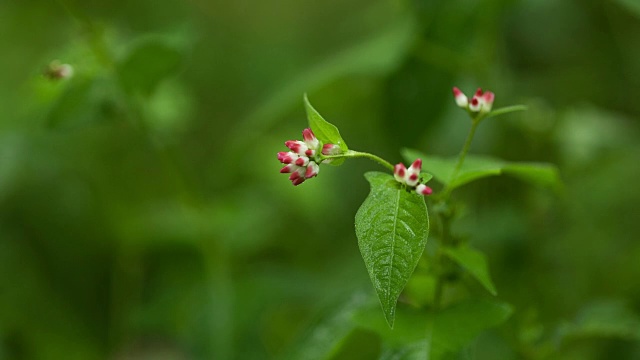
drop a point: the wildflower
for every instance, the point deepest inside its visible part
(303, 161)
(411, 177)
(480, 102)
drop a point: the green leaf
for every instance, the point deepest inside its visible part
(458, 325)
(327, 338)
(475, 263)
(377, 56)
(147, 65)
(610, 318)
(392, 227)
(632, 5)
(324, 130)
(477, 167)
(445, 332)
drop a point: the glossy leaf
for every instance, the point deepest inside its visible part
(392, 227)
(324, 130)
(475, 263)
(478, 166)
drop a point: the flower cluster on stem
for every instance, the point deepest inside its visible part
(303, 161)
(481, 102)
(411, 177)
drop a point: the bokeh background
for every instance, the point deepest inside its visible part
(142, 215)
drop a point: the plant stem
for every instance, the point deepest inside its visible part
(358, 154)
(462, 156)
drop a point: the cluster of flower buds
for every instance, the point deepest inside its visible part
(411, 177)
(480, 102)
(303, 161)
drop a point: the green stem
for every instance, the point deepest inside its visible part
(358, 154)
(463, 155)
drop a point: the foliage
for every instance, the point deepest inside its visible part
(142, 216)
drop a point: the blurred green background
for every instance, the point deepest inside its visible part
(142, 215)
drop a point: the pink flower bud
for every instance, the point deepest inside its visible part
(297, 177)
(413, 173)
(475, 104)
(312, 170)
(310, 139)
(330, 149)
(399, 172)
(289, 168)
(460, 97)
(297, 146)
(423, 189)
(287, 157)
(302, 161)
(487, 101)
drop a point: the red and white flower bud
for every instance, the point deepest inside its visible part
(413, 173)
(423, 189)
(331, 149)
(460, 97)
(312, 170)
(297, 177)
(487, 101)
(400, 173)
(310, 139)
(287, 157)
(297, 146)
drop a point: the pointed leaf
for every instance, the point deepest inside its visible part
(475, 263)
(477, 166)
(392, 227)
(324, 130)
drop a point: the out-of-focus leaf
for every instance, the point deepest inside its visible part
(475, 262)
(325, 339)
(603, 319)
(445, 332)
(477, 167)
(84, 101)
(392, 227)
(632, 5)
(457, 326)
(147, 65)
(360, 344)
(324, 130)
(380, 54)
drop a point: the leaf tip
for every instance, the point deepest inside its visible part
(390, 316)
